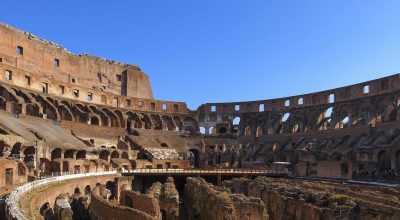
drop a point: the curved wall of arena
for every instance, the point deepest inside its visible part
(101, 208)
(333, 133)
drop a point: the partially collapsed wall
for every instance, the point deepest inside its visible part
(206, 201)
(313, 200)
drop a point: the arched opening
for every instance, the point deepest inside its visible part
(104, 155)
(111, 187)
(88, 190)
(77, 191)
(222, 130)
(190, 129)
(32, 110)
(128, 201)
(69, 154)
(247, 130)
(259, 131)
(115, 154)
(202, 130)
(56, 154)
(211, 130)
(29, 157)
(124, 155)
(194, 159)
(384, 162)
(81, 154)
(94, 121)
(16, 150)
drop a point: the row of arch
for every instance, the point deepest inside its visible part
(368, 112)
(39, 105)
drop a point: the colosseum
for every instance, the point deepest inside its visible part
(82, 137)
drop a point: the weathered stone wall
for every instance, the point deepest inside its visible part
(102, 209)
(205, 201)
(167, 196)
(49, 193)
(314, 200)
(141, 202)
(12, 172)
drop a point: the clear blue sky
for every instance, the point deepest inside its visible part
(226, 50)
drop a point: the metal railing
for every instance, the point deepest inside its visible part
(13, 210)
(205, 171)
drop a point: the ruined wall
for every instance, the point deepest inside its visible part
(205, 201)
(140, 202)
(12, 172)
(49, 193)
(38, 57)
(309, 200)
(167, 196)
(102, 209)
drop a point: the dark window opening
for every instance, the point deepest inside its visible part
(56, 62)
(73, 80)
(9, 74)
(176, 108)
(119, 78)
(45, 87)
(62, 89)
(20, 50)
(28, 80)
(99, 77)
(128, 102)
(90, 96)
(153, 106)
(76, 93)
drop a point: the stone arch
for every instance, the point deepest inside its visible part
(94, 120)
(190, 125)
(168, 123)
(81, 154)
(114, 154)
(113, 118)
(124, 155)
(178, 123)
(259, 131)
(120, 116)
(81, 113)
(157, 123)
(104, 155)
(56, 154)
(65, 113)
(133, 120)
(88, 190)
(194, 157)
(16, 150)
(146, 120)
(69, 154)
(32, 110)
(383, 160)
(29, 157)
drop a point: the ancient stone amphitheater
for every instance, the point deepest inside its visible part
(82, 137)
